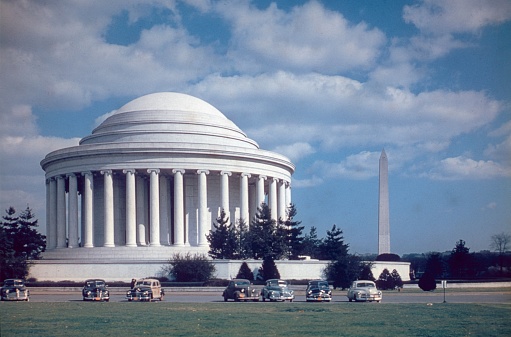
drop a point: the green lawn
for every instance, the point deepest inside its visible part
(253, 319)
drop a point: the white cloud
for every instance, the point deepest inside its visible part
(295, 151)
(362, 165)
(308, 38)
(459, 168)
(456, 16)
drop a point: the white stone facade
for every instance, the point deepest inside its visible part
(156, 174)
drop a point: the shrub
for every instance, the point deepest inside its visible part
(188, 268)
(427, 282)
(245, 272)
(268, 270)
(388, 257)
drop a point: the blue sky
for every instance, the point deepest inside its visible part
(327, 83)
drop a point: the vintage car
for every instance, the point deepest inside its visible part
(14, 290)
(363, 290)
(147, 289)
(95, 290)
(240, 290)
(277, 290)
(318, 291)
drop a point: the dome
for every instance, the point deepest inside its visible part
(172, 118)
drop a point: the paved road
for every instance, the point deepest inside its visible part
(214, 296)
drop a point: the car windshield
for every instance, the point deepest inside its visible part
(277, 283)
(11, 283)
(322, 285)
(365, 285)
(242, 283)
(143, 283)
(91, 284)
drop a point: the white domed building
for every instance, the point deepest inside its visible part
(148, 183)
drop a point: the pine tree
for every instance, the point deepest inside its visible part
(333, 246)
(311, 244)
(19, 242)
(222, 239)
(245, 273)
(293, 233)
(267, 239)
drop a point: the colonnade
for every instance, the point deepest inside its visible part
(153, 207)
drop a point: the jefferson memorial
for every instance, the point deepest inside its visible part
(149, 182)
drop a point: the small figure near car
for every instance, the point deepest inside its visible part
(277, 290)
(147, 289)
(240, 290)
(318, 291)
(14, 290)
(364, 290)
(95, 290)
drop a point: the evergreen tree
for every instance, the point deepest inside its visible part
(343, 271)
(427, 282)
(223, 243)
(19, 241)
(311, 244)
(398, 282)
(267, 239)
(366, 272)
(460, 260)
(293, 233)
(268, 270)
(434, 264)
(243, 241)
(245, 273)
(333, 246)
(385, 280)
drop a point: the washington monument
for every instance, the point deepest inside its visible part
(383, 206)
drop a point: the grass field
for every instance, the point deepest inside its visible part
(253, 319)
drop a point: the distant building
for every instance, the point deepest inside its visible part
(148, 182)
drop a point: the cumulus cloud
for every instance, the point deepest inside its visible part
(456, 16)
(308, 38)
(458, 168)
(295, 151)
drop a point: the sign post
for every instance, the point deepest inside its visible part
(444, 285)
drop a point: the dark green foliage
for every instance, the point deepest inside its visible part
(343, 271)
(311, 243)
(427, 282)
(19, 241)
(245, 272)
(267, 239)
(293, 233)
(333, 246)
(223, 243)
(268, 270)
(388, 257)
(366, 272)
(460, 260)
(398, 282)
(389, 281)
(188, 268)
(435, 265)
(385, 281)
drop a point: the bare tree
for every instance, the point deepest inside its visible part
(499, 243)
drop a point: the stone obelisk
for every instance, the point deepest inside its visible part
(383, 206)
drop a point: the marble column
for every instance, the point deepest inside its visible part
(87, 207)
(288, 194)
(164, 210)
(61, 212)
(108, 208)
(72, 211)
(281, 200)
(179, 220)
(273, 198)
(224, 191)
(244, 197)
(260, 190)
(203, 208)
(141, 210)
(131, 211)
(51, 226)
(154, 197)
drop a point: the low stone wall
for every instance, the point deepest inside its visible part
(122, 270)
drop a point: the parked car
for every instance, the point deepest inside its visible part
(240, 290)
(318, 291)
(14, 290)
(147, 289)
(95, 290)
(363, 290)
(277, 290)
